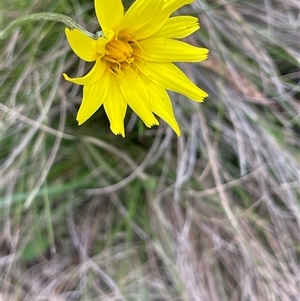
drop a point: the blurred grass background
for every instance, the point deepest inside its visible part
(212, 215)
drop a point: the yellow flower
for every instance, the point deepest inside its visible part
(134, 58)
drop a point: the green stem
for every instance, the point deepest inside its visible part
(46, 17)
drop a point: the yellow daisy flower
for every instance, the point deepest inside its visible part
(134, 56)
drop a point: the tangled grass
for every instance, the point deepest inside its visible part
(212, 215)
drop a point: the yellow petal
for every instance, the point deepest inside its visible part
(168, 50)
(136, 96)
(158, 19)
(161, 105)
(94, 75)
(115, 107)
(109, 14)
(170, 77)
(178, 27)
(93, 97)
(140, 13)
(82, 45)
(172, 5)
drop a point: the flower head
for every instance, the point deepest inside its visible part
(134, 58)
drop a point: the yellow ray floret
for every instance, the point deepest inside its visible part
(178, 27)
(162, 50)
(134, 59)
(82, 45)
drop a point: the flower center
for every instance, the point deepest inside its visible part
(119, 53)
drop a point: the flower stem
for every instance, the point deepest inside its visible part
(47, 17)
